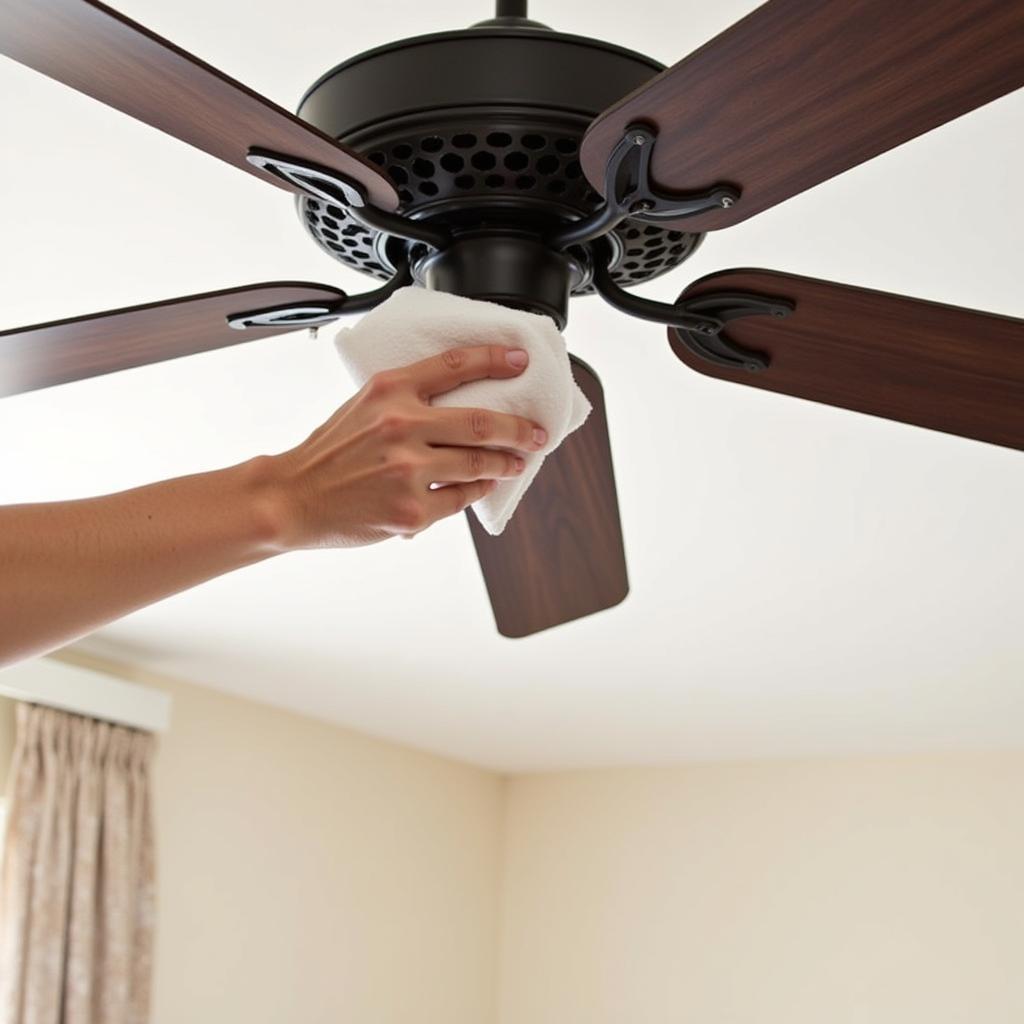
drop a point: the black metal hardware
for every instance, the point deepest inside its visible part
(510, 269)
(510, 14)
(697, 322)
(365, 301)
(397, 226)
(718, 348)
(314, 181)
(510, 9)
(646, 309)
(629, 192)
(480, 122)
(304, 314)
(295, 315)
(331, 187)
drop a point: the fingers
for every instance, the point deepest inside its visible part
(453, 498)
(462, 465)
(457, 366)
(474, 427)
(443, 501)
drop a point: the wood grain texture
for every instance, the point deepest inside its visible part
(97, 51)
(942, 367)
(561, 557)
(65, 350)
(802, 90)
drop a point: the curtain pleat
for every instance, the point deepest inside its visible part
(77, 886)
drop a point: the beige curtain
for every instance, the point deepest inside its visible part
(77, 882)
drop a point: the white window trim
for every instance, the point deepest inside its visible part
(85, 692)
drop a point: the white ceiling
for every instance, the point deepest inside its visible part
(805, 580)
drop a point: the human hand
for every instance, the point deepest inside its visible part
(388, 463)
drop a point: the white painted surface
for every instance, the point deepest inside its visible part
(805, 580)
(94, 694)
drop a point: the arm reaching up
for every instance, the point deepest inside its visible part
(386, 463)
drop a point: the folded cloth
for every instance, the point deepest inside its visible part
(416, 323)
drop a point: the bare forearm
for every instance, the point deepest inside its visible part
(369, 473)
(67, 568)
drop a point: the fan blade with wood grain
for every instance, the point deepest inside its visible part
(99, 52)
(87, 346)
(561, 557)
(944, 367)
(798, 92)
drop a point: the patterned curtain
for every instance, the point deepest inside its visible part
(77, 881)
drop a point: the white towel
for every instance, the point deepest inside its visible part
(416, 323)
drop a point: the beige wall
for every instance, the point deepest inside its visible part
(889, 892)
(307, 873)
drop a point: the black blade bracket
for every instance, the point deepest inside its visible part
(716, 347)
(630, 192)
(297, 315)
(313, 315)
(331, 187)
(698, 322)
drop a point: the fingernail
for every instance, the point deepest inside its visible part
(519, 464)
(517, 357)
(539, 436)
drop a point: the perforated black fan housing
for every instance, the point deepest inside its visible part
(481, 128)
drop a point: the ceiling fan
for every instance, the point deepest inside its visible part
(516, 164)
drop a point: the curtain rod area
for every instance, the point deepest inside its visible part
(83, 691)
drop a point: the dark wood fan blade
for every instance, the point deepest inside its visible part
(800, 91)
(65, 350)
(561, 557)
(98, 51)
(943, 367)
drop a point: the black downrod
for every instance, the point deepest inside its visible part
(510, 9)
